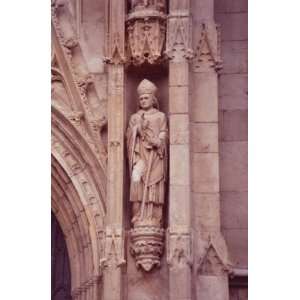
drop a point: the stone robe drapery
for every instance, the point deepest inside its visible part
(144, 126)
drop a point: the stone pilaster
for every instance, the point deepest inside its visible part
(211, 265)
(114, 240)
(179, 232)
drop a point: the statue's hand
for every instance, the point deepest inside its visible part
(155, 142)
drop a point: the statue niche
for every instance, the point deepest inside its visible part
(147, 153)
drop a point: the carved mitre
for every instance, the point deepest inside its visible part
(146, 30)
(146, 87)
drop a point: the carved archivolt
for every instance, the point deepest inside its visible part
(77, 86)
(78, 193)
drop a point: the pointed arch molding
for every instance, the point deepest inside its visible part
(78, 202)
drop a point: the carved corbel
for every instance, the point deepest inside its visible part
(114, 249)
(146, 31)
(208, 48)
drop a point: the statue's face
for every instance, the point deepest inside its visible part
(146, 101)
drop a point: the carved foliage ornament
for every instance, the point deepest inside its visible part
(146, 30)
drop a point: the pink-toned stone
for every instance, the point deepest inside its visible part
(237, 242)
(179, 165)
(234, 26)
(234, 210)
(235, 57)
(205, 137)
(231, 6)
(179, 129)
(179, 200)
(179, 101)
(205, 97)
(206, 211)
(178, 75)
(205, 171)
(233, 91)
(233, 166)
(221, 124)
(212, 287)
(235, 125)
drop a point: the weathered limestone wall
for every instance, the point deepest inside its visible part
(233, 132)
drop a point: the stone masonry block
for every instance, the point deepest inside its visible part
(233, 91)
(237, 243)
(234, 210)
(235, 57)
(179, 129)
(233, 166)
(179, 4)
(234, 26)
(179, 99)
(231, 6)
(179, 165)
(206, 211)
(179, 204)
(178, 74)
(205, 137)
(205, 172)
(205, 97)
(235, 125)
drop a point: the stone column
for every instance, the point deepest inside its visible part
(179, 231)
(114, 240)
(211, 263)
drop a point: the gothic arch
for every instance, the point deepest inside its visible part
(78, 202)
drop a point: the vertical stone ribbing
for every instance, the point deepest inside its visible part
(179, 232)
(114, 241)
(210, 252)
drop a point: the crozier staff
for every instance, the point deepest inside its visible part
(147, 153)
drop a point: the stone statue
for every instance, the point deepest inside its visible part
(147, 153)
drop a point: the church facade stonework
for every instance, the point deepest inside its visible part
(149, 161)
